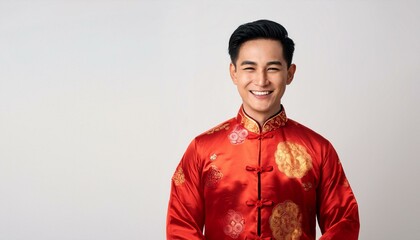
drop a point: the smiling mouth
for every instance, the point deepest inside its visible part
(261, 93)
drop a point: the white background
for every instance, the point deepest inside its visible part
(99, 100)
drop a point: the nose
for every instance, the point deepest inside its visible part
(261, 79)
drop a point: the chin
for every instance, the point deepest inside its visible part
(264, 109)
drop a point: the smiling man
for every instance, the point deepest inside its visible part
(261, 74)
(261, 175)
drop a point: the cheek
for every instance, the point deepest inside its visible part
(244, 79)
(279, 79)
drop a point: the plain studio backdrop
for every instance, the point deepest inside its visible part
(99, 100)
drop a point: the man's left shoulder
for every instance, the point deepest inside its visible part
(306, 132)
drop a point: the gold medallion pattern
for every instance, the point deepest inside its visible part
(286, 221)
(292, 159)
(179, 177)
(213, 176)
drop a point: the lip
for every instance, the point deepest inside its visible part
(261, 93)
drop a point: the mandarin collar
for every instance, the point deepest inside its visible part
(271, 124)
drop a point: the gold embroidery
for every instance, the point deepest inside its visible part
(285, 221)
(292, 159)
(213, 157)
(224, 126)
(250, 124)
(275, 122)
(270, 125)
(213, 176)
(179, 177)
(234, 224)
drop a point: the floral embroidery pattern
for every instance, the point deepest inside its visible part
(271, 124)
(307, 186)
(179, 177)
(285, 221)
(275, 122)
(292, 159)
(213, 176)
(250, 124)
(238, 135)
(234, 224)
(218, 128)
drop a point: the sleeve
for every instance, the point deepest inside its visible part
(338, 215)
(185, 217)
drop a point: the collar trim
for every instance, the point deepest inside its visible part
(271, 124)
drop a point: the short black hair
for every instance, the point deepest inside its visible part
(261, 29)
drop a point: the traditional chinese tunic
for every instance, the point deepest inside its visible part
(243, 181)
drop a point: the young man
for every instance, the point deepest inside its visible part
(261, 175)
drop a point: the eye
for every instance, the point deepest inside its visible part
(273, 69)
(248, 69)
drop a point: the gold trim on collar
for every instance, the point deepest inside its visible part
(271, 124)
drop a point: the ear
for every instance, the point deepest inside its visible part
(232, 71)
(290, 73)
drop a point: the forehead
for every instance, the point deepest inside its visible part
(261, 49)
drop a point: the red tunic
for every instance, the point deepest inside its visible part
(242, 181)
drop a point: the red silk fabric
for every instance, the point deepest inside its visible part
(242, 181)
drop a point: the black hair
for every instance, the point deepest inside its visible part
(261, 29)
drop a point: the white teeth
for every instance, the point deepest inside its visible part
(260, 93)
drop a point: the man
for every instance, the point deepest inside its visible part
(261, 175)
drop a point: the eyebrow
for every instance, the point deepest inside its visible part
(274, 63)
(246, 62)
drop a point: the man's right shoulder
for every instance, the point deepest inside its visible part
(220, 130)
